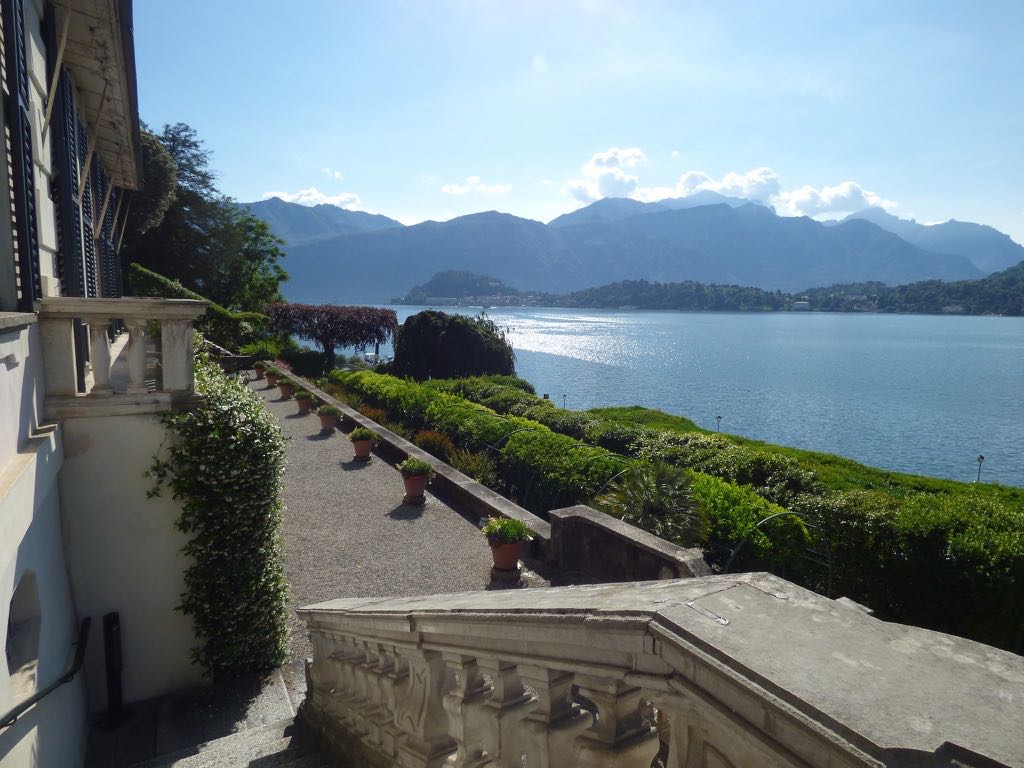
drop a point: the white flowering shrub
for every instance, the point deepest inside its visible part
(225, 465)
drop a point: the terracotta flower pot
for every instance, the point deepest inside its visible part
(259, 374)
(415, 487)
(362, 449)
(327, 422)
(272, 379)
(287, 389)
(506, 556)
(305, 406)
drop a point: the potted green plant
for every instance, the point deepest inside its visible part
(272, 375)
(304, 400)
(329, 415)
(287, 388)
(362, 441)
(507, 537)
(260, 367)
(416, 473)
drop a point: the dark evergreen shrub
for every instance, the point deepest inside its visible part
(433, 344)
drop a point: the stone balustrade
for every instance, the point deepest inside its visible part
(104, 393)
(741, 670)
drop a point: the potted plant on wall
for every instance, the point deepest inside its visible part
(507, 537)
(272, 375)
(260, 367)
(362, 441)
(328, 417)
(304, 400)
(416, 473)
(287, 388)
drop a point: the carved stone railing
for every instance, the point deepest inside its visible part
(57, 318)
(745, 670)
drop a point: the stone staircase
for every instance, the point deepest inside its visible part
(284, 744)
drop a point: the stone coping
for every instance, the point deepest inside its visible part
(904, 695)
(15, 320)
(147, 308)
(688, 562)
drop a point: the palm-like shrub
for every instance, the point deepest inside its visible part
(656, 497)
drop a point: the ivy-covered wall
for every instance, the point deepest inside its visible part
(224, 465)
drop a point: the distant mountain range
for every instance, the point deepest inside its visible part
(335, 255)
(299, 224)
(988, 248)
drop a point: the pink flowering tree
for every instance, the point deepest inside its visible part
(331, 326)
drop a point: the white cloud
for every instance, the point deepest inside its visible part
(845, 197)
(331, 173)
(757, 184)
(604, 175)
(314, 196)
(539, 63)
(607, 174)
(473, 185)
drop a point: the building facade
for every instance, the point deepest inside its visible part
(79, 411)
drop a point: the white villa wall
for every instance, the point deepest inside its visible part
(21, 388)
(124, 553)
(52, 734)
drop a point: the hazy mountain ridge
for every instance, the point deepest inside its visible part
(729, 242)
(988, 249)
(298, 224)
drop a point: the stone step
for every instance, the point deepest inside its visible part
(277, 745)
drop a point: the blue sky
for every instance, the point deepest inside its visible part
(431, 110)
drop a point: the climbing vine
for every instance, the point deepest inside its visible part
(224, 465)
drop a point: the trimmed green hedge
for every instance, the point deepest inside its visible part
(779, 479)
(224, 327)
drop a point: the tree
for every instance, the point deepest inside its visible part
(149, 204)
(332, 326)
(656, 497)
(433, 344)
(205, 240)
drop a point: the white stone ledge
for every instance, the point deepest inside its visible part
(790, 667)
(15, 320)
(86, 406)
(124, 308)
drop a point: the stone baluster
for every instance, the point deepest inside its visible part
(136, 354)
(419, 712)
(99, 354)
(177, 350)
(394, 679)
(621, 737)
(343, 702)
(551, 728)
(508, 705)
(360, 698)
(375, 717)
(467, 718)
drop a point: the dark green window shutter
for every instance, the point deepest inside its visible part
(22, 167)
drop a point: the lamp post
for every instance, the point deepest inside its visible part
(718, 419)
(981, 460)
(563, 400)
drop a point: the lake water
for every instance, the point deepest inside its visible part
(912, 393)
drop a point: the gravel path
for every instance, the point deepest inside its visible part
(347, 533)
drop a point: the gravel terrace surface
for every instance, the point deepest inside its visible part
(347, 534)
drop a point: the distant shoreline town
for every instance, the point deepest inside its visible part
(1000, 294)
